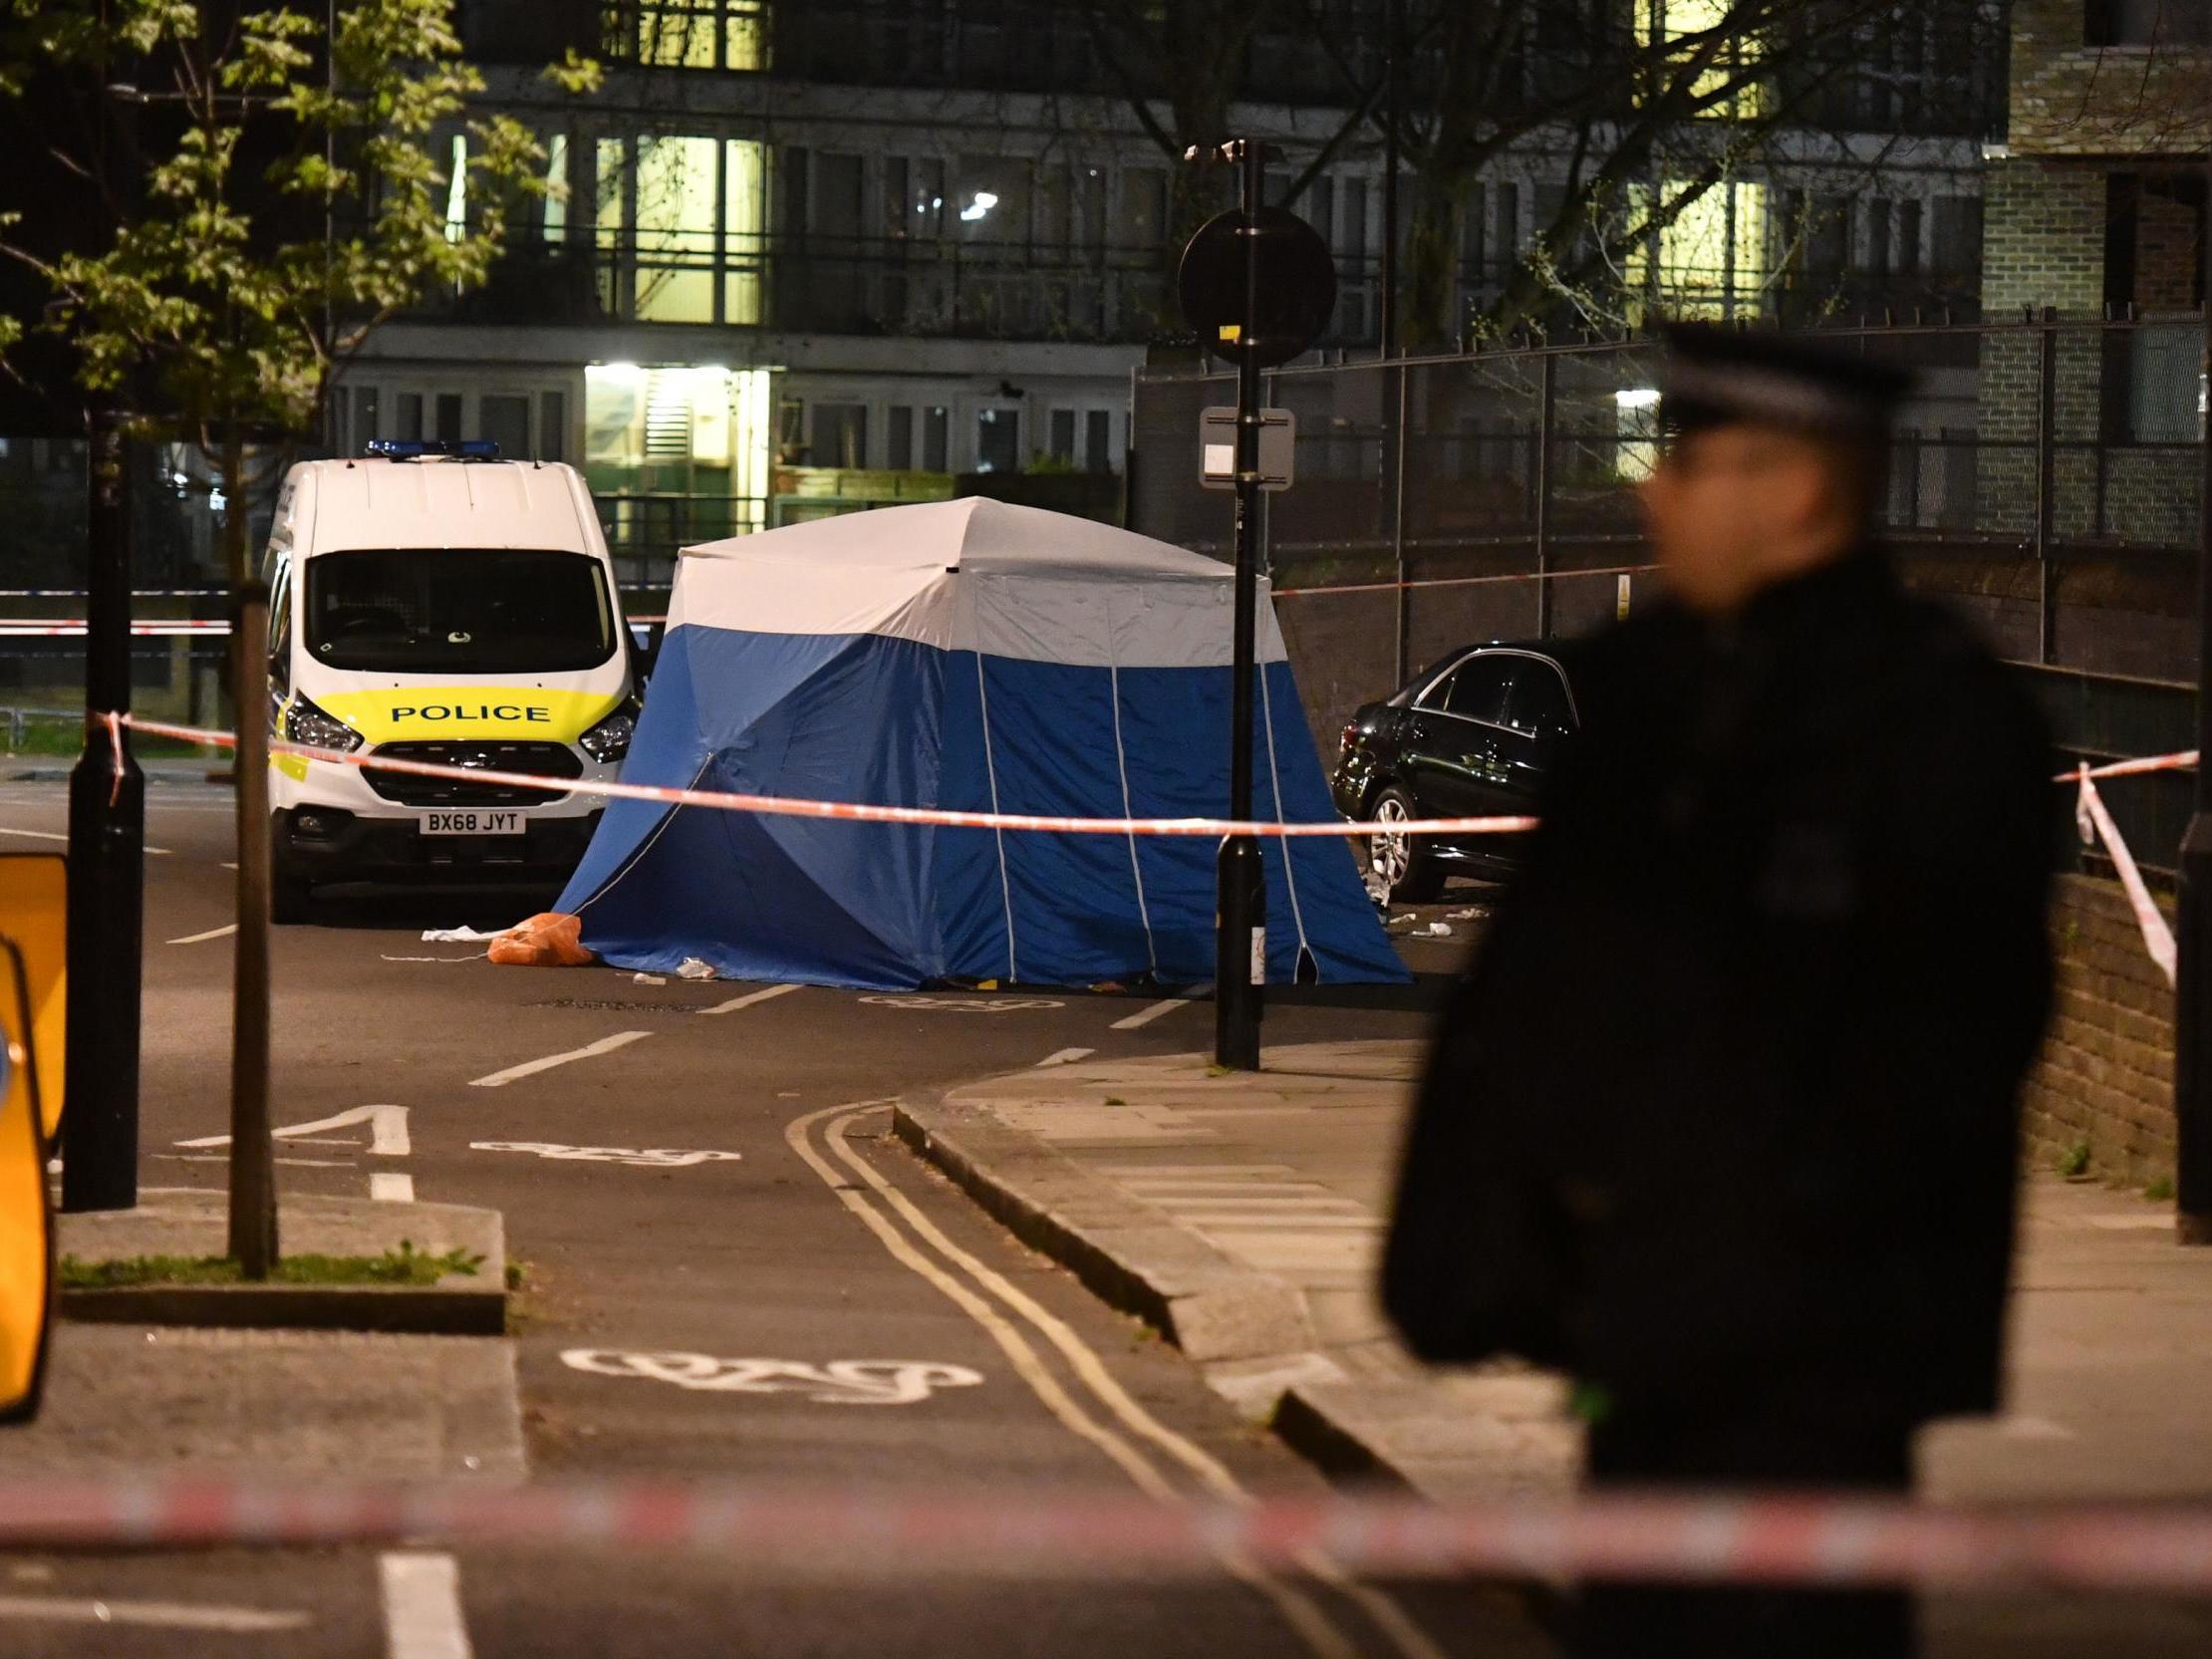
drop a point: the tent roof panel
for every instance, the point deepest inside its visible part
(974, 575)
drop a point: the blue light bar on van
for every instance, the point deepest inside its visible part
(415, 448)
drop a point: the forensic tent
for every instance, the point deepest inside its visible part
(964, 656)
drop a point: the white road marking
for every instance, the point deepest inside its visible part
(422, 1607)
(1145, 1016)
(222, 932)
(388, 1130)
(1066, 1056)
(841, 1382)
(749, 999)
(652, 1158)
(965, 1005)
(388, 1188)
(530, 1069)
(169, 1615)
(224, 1158)
(1304, 1616)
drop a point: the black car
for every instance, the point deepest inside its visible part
(1469, 736)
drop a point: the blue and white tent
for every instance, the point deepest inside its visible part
(972, 655)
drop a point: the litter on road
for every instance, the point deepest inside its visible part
(548, 939)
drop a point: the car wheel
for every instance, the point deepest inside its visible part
(1405, 864)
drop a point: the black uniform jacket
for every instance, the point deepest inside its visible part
(1728, 1100)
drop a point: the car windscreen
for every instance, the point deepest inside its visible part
(458, 611)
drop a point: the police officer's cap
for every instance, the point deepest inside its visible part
(1717, 377)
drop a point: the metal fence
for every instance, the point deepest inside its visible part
(1492, 496)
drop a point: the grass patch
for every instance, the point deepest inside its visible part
(2073, 1163)
(2159, 1190)
(404, 1266)
(63, 739)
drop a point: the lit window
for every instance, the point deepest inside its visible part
(675, 230)
(556, 188)
(1711, 247)
(457, 189)
(1694, 23)
(691, 33)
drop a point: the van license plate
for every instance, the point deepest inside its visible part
(477, 822)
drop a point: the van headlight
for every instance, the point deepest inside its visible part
(306, 723)
(608, 741)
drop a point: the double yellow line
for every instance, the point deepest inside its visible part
(1163, 1463)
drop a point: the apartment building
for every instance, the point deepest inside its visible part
(795, 257)
(2097, 210)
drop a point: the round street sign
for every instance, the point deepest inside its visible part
(1296, 286)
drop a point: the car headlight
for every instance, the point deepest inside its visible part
(608, 741)
(306, 723)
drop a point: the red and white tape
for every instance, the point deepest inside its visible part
(2096, 823)
(791, 808)
(39, 628)
(859, 812)
(1697, 1537)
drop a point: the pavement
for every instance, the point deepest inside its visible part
(1242, 1215)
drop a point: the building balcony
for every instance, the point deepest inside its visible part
(831, 285)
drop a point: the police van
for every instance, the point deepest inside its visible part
(430, 602)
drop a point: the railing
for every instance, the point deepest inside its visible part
(645, 528)
(843, 285)
(1051, 46)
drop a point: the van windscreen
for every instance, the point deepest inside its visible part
(458, 611)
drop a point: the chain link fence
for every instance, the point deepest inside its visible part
(1440, 501)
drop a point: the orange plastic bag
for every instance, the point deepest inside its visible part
(548, 939)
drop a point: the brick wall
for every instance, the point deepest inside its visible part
(2106, 1073)
(2071, 99)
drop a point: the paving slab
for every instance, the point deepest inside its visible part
(192, 1222)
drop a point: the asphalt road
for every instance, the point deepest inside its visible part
(821, 1241)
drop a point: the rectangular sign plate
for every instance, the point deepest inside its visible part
(474, 821)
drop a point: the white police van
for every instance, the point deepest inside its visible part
(431, 601)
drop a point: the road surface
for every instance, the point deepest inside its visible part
(732, 1271)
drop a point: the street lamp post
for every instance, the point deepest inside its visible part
(1240, 996)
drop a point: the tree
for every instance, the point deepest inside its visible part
(1650, 105)
(1651, 109)
(1180, 66)
(295, 199)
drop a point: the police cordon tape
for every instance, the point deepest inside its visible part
(2095, 821)
(1682, 1536)
(860, 812)
(40, 628)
